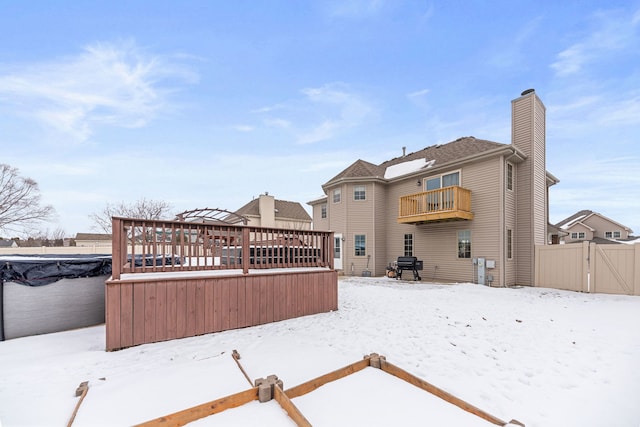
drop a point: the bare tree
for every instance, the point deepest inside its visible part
(141, 209)
(20, 200)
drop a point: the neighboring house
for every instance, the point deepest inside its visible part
(8, 244)
(93, 239)
(591, 226)
(458, 207)
(266, 211)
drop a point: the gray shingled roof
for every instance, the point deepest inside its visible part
(92, 236)
(578, 215)
(440, 154)
(449, 152)
(284, 209)
(359, 169)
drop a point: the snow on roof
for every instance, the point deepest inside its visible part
(574, 221)
(408, 167)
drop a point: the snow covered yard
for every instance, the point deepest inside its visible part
(544, 357)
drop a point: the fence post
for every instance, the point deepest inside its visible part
(588, 272)
(116, 248)
(246, 250)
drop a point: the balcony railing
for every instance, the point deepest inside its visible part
(149, 246)
(444, 204)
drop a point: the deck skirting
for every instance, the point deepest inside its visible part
(154, 309)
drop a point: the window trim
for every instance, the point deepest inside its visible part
(410, 246)
(467, 251)
(323, 211)
(356, 246)
(355, 192)
(451, 172)
(509, 243)
(510, 175)
(336, 192)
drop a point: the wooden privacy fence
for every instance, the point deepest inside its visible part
(175, 279)
(589, 267)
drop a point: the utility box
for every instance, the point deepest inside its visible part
(481, 267)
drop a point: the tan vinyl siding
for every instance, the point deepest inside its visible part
(510, 265)
(360, 215)
(436, 244)
(380, 245)
(320, 223)
(602, 225)
(528, 130)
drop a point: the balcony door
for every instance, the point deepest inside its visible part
(438, 200)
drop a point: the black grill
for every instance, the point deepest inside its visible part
(410, 263)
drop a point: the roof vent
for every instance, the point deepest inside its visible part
(404, 151)
(526, 92)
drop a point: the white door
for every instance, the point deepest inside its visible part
(337, 251)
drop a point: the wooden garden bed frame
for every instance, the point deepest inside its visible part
(284, 397)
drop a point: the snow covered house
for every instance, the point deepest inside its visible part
(592, 226)
(472, 210)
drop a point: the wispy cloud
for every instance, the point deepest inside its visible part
(612, 31)
(319, 114)
(347, 109)
(243, 128)
(106, 84)
(418, 93)
(355, 8)
(510, 52)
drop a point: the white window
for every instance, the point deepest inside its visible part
(617, 235)
(509, 176)
(408, 245)
(360, 245)
(579, 235)
(464, 244)
(337, 195)
(509, 244)
(359, 192)
(323, 210)
(441, 181)
(608, 234)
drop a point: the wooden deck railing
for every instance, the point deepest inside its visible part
(441, 204)
(146, 246)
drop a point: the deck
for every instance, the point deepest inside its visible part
(173, 279)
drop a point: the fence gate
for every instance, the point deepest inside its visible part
(589, 267)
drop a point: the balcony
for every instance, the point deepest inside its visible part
(444, 204)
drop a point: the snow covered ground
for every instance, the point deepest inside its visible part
(544, 357)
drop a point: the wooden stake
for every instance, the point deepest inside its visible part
(236, 357)
(81, 391)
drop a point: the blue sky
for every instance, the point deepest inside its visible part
(209, 104)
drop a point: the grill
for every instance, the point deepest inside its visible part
(409, 263)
